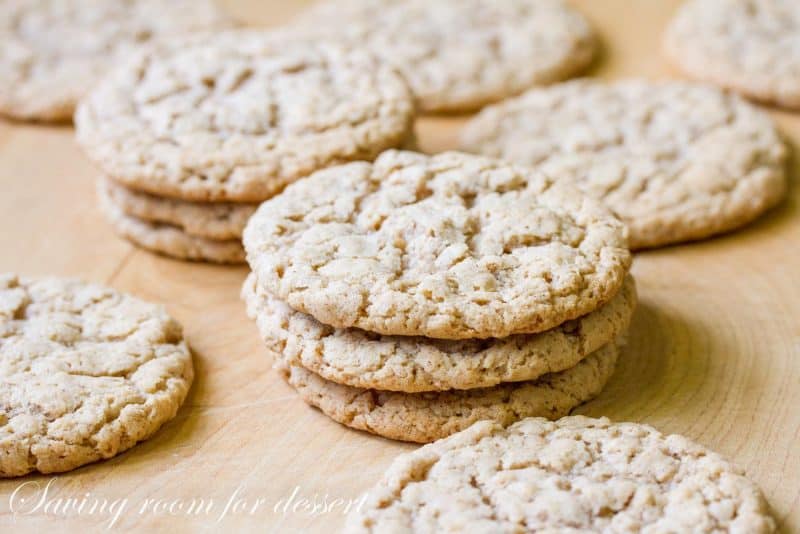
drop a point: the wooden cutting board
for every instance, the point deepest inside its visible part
(714, 349)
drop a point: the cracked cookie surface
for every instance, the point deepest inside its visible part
(676, 161)
(576, 474)
(238, 115)
(749, 46)
(425, 417)
(85, 373)
(358, 358)
(211, 220)
(451, 246)
(459, 55)
(167, 239)
(53, 52)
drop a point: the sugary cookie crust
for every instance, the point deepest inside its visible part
(53, 52)
(85, 373)
(358, 358)
(576, 474)
(676, 161)
(425, 417)
(459, 55)
(750, 46)
(451, 246)
(238, 115)
(211, 220)
(170, 240)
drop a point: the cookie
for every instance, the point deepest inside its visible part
(170, 240)
(450, 246)
(86, 372)
(238, 115)
(750, 46)
(676, 161)
(425, 417)
(415, 364)
(54, 52)
(212, 220)
(459, 55)
(576, 474)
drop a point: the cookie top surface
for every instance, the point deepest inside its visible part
(674, 160)
(751, 46)
(414, 364)
(461, 54)
(574, 474)
(53, 52)
(85, 373)
(238, 115)
(426, 417)
(450, 246)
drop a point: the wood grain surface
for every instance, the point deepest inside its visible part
(714, 349)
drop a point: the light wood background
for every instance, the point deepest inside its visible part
(714, 349)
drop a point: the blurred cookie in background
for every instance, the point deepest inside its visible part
(749, 46)
(459, 55)
(54, 52)
(676, 161)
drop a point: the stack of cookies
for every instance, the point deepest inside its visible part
(413, 296)
(192, 134)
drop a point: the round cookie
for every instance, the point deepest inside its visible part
(450, 246)
(170, 240)
(54, 52)
(212, 220)
(749, 46)
(415, 364)
(85, 373)
(459, 55)
(676, 161)
(576, 474)
(238, 115)
(425, 417)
